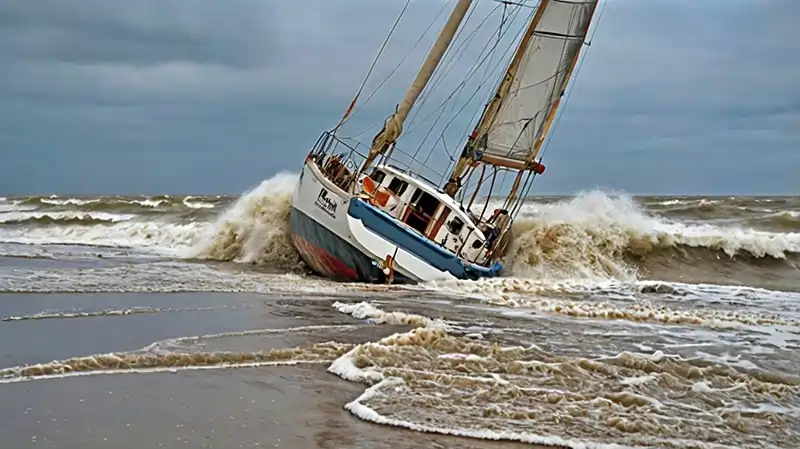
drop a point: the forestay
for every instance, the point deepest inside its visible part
(542, 75)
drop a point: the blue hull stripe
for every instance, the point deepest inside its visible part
(386, 226)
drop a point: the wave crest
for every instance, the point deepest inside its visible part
(61, 218)
(255, 228)
(591, 235)
(596, 234)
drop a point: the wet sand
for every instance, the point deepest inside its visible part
(288, 407)
(282, 406)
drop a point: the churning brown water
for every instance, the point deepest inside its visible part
(189, 322)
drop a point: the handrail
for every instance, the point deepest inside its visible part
(411, 172)
(328, 143)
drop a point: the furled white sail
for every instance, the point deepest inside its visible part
(542, 75)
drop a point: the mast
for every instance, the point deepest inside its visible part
(489, 113)
(516, 121)
(393, 126)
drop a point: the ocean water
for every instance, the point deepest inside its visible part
(620, 322)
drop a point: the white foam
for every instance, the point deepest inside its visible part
(346, 368)
(149, 203)
(56, 252)
(47, 315)
(266, 331)
(196, 204)
(166, 238)
(160, 369)
(587, 236)
(520, 292)
(64, 215)
(69, 201)
(14, 206)
(366, 413)
(255, 228)
(365, 310)
(161, 276)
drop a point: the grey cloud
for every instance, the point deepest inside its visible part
(195, 84)
(239, 33)
(240, 51)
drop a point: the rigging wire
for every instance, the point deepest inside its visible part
(529, 181)
(374, 62)
(444, 69)
(518, 194)
(439, 77)
(473, 71)
(376, 127)
(479, 109)
(441, 109)
(455, 93)
(403, 60)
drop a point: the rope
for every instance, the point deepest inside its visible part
(479, 109)
(397, 67)
(438, 78)
(444, 67)
(473, 71)
(374, 62)
(454, 54)
(457, 91)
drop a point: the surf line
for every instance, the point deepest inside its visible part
(103, 313)
(165, 369)
(109, 364)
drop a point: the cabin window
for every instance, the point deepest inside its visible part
(378, 176)
(422, 208)
(455, 226)
(477, 243)
(398, 186)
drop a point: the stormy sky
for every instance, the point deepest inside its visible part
(211, 96)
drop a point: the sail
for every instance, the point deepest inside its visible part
(544, 69)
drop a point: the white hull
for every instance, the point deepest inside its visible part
(328, 210)
(306, 196)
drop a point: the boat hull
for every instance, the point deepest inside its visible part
(328, 254)
(321, 234)
(344, 238)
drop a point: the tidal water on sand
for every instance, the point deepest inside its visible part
(619, 322)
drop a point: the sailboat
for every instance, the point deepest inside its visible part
(360, 217)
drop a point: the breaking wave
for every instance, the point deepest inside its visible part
(591, 235)
(255, 229)
(158, 203)
(61, 218)
(596, 234)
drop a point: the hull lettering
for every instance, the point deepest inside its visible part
(325, 203)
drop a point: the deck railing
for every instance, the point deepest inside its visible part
(352, 154)
(340, 162)
(337, 159)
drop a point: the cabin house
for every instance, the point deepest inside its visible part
(431, 213)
